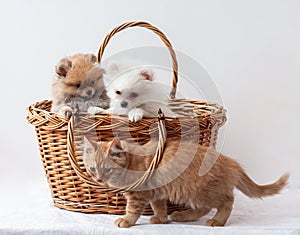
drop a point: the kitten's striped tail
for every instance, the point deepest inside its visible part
(251, 189)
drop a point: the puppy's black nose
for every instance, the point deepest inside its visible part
(89, 92)
(124, 104)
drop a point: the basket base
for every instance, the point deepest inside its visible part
(103, 209)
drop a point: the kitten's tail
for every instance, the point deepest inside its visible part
(251, 189)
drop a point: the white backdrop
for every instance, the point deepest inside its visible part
(250, 48)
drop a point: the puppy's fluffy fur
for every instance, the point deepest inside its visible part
(78, 84)
(133, 91)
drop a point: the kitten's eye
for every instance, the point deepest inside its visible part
(133, 95)
(92, 83)
(106, 170)
(118, 92)
(93, 169)
(78, 85)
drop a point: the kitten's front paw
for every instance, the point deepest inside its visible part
(122, 223)
(158, 220)
(135, 115)
(213, 223)
(66, 111)
(177, 216)
(95, 109)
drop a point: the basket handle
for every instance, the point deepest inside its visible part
(156, 31)
(148, 173)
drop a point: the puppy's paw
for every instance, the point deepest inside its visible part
(135, 115)
(122, 223)
(66, 111)
(213, 223)
(158, 220)
(95, 109)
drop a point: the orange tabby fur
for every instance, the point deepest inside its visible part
(109, 162)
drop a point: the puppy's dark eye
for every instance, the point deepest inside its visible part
(133, 95)
(118, 92)
(78, 85)
(92, 83)
(106, 170)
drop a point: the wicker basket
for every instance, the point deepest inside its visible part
(68, 181)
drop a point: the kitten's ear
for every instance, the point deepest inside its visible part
(63, 67)
(116, 146)
(90, 146)
(89, 156)
(91, 57)
(146, 74)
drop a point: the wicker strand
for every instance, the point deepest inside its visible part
(147, 175)
(162, 37)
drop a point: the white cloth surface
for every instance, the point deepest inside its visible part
(29, 210)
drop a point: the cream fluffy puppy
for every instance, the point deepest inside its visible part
(133, 91)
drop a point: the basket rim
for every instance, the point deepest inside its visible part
(38, 114)
(36, 107)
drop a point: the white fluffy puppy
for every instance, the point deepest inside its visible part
(133, 91)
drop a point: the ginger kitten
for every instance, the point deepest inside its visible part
(116, 163)
(78, 83)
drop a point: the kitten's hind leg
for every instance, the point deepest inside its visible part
(189, 215)
(160, 212)
(221, 216)
(134, 208)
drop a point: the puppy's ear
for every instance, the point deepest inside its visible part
(100, 71)
(146, 74)
(113, 68)
(63, 67)
(91, 57)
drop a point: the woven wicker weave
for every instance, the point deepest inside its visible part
(69, 189)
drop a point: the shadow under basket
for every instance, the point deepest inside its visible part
(197, 121)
